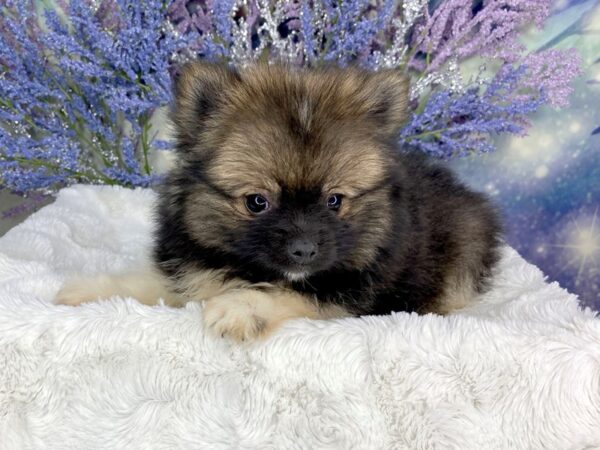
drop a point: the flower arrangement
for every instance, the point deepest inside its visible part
(79, 82)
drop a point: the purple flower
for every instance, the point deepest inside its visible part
(553, 72)
(455, 30)
(453, 124)
(191, 16)
(76, 95)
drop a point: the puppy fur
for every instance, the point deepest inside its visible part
(407, 235)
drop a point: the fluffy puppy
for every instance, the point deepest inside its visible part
(291, 198)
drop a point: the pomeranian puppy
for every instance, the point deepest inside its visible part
(291, 198)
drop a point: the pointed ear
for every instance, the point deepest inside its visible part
(199, 89)
(389, 96)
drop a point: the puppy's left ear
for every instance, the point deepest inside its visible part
(200, 89)
(389, 93)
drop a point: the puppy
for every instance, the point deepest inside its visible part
(291, 198)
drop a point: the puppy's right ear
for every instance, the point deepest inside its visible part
(199, 89)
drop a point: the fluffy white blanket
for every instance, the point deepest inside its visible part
(520, 370)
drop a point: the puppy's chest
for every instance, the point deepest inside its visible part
(355, 292)
(194, 284)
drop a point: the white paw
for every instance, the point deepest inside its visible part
(238, 315)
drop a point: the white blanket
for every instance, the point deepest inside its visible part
(519, 370)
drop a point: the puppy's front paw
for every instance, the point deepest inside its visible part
(76, 292)
(238, 314)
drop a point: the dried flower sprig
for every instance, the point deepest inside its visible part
(77, 89)
(457, 29)
(457, 124)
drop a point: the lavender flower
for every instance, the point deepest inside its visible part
(302, 33)
(454, 124)
(77, 94)
(552, 71)
(455, 30)
(191, 16)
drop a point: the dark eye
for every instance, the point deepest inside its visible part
(256, 203)
(334, 201)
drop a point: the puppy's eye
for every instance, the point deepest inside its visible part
(256, 203)
(334, 201)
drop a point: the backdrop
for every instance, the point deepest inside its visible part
(548, 183)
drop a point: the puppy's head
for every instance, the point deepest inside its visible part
(286, 170)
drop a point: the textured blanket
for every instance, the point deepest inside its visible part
(519, 370)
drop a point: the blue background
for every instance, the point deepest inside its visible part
(547, 184)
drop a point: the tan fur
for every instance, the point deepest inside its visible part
(187, 90)
(245, 314)
(147, 287)
(232, 308)
(244, 310)
(257, 150)
(459, 293)
(204, 284)
(461, 290)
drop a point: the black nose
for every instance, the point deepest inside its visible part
(302, 251)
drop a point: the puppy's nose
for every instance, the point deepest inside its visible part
(302, 251)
